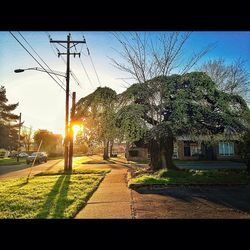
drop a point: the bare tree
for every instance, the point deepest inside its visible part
(232, 78)
(27, 137)
(145, 58)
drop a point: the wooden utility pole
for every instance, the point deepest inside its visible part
(70, 44)
(72, 119)
(19, 136)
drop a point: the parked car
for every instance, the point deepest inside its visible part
(23, 155)
(40, 157)
(13, 154)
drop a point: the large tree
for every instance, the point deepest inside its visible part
(190, 104)
(173, 104)
(97, 114)
(8, 122)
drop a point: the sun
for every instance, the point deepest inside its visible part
(76, 129)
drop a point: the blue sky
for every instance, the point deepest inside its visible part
(42, 102)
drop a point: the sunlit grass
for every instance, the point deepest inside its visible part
(213, 176)
(95, 159)
(47, 196)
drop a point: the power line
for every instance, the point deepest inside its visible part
(39, 57)
(83, 64)
(36, 60)
(75, 78)
(86, 72)
(71, 71)
(93, 64)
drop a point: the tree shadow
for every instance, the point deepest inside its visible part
(56, 202)
(237, 198)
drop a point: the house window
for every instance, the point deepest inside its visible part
(191, 148)
(226, 148)
(187, 151)
(195, 149)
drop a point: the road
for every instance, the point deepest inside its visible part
(12, 171)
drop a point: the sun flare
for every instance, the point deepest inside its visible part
(76, 129)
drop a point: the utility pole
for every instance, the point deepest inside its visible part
(72, 119)
(19, 136)
(70, 44)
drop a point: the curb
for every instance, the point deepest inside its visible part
(160, 186)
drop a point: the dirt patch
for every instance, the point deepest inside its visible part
(192, 202)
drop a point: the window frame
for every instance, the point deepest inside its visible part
(226, 149)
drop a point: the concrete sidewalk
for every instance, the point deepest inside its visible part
(111, 200)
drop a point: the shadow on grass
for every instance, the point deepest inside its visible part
(56, 202)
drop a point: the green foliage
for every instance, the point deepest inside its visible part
(190, 104)
(50, 140)
(131, 125)
(97, 114)
(8, 126)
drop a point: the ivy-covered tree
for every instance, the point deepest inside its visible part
(188, 104)
(97, 113)
(8, 122)
(132, 127)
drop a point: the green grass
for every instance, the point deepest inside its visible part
(76, 170)
(215, 176)
(48, 195)
(11, 161)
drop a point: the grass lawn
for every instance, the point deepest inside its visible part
(48, 195)
(11, 161)
(213, 176)
(97, 159)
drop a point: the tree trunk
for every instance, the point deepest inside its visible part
(106, 150)
(161, 153)
(111, 149)
(126, 150)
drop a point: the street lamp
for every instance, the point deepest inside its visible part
(68, 154)
(40, 69)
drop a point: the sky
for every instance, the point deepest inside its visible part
(42, 101)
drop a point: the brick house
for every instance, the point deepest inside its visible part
(186, 148)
